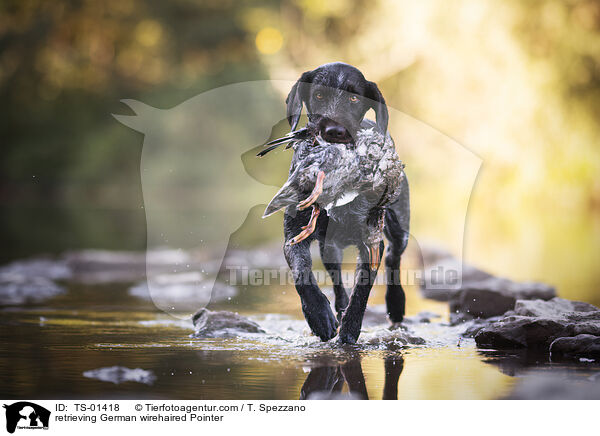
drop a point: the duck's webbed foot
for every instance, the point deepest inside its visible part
(307, 229)
(317, 190)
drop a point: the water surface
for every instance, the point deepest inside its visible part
(45, 351)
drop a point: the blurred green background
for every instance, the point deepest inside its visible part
(518, 83)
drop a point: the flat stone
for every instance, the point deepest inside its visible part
(182, 290)
(18, 289)
(493, 297)
(577, 346)
(46, 268)
(556, 307)
(538, 332)
(102, 266)
(222, 324)
(121, 374)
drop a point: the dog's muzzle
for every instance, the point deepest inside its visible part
(334, 132)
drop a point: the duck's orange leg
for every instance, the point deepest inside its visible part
(307, 229)
(317, 190)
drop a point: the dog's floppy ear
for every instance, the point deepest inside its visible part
(378, 104)
(297, 97)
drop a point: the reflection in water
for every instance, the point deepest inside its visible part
(327, 381)
(393, 368)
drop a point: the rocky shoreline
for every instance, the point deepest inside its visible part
(502, 314)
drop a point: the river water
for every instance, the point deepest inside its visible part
(46, 350)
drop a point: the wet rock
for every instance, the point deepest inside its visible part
(555, 307)
(183, 290)
(480, 294)
(437, 262)
(539, 331)
(18, 289)
(377, 315)
(391, 337)
(555, 386)
(121, 374)
(267, 256)
(101, 266)
(46, 268)
(493, 297)
(222, 324)
(421, 317)
(576, 347)
(473, 326)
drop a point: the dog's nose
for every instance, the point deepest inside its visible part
(335, 132)
(332, 131)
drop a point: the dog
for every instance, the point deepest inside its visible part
(337, 97)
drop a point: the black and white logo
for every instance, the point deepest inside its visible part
(26, 415)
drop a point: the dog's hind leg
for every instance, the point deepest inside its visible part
(395, 298)
(353, 315)
(331, 256)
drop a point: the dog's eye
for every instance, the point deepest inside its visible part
(353, 98)
(318, 96)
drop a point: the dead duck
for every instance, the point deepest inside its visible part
(330, 175)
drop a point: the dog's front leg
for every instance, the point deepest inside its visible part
(393, 368)
(353, 374)
(315, 304)
(322, 379)
(353, 316)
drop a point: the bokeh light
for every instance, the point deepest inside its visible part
(269, 40)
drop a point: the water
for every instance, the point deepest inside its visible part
(46, 350)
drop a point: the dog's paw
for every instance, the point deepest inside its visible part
(346, 338)
(395, 317)
(349, 331)
(397, 326)
(395, 302)
(321, 320)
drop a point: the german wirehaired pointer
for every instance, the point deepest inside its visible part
(337, 97)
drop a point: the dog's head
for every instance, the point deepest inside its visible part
(336, 96)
